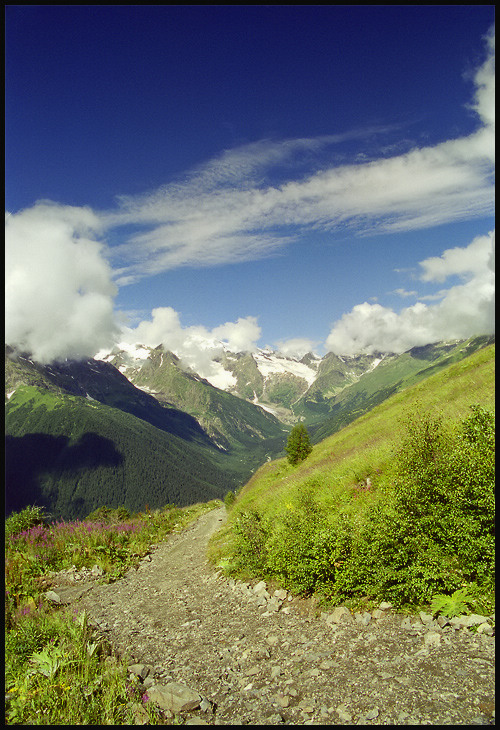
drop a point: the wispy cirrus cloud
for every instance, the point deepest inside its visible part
(229, 210)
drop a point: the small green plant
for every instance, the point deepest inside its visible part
(109, 514)
(229, 500)
(454, 605)
(24, 520)
(49, 660)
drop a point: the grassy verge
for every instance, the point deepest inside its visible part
(58, 671)
(397, 506)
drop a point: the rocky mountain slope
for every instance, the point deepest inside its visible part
(153, 431)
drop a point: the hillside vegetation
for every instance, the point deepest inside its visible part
(80, 435)
(58, 670)
(71, 455)
(326, 413)
(397, 506)
(231, 422)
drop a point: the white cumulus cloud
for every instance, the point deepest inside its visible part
(197, 347)
(473, 259)
(296, 347)
(59, 288)
(465, 309)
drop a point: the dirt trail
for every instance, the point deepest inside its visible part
(254, 664)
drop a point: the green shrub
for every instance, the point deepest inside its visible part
(109, 514)
(251, 533)
(229, 500)
(437, 535)
(24, 520)
(300, 546)
(428, 532)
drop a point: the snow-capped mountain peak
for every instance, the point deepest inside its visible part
(273, 363)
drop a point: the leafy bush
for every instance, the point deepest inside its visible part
(229, 500)
(20, 521)
(109, 514)
(251, 533)
(432, 533)
(302, 549)
(437, 534)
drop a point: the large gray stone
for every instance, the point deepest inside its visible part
(432, 638)
(485, 628)
(53, 596)
(474, 619)
(280, 594)
(174, 696)
(363, 618)
(273, 604)
(340, 614)
(68, 594)
(426, 618)
(140, 670)
(260, 587)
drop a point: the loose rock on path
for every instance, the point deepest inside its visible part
(221, 652)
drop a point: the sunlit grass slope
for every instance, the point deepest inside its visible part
(348, 474)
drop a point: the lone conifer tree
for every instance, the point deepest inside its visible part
(298, 447)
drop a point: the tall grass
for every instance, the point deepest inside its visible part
(58, 671)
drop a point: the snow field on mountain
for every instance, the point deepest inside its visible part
(272, 364)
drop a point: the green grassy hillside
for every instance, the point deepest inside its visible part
(296, 524)
(325, 415)
(59, 417)
(72, 455)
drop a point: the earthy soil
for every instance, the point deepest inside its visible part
(281, 662)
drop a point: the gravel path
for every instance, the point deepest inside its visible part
(255, 658)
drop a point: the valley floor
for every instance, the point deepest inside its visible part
(251, 659)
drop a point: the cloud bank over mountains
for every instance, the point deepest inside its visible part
(196, 346)
(465, 309)
(62, 277)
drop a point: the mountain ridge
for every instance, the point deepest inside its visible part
(304, 388)
(146, 407)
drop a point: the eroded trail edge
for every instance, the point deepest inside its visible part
(247, 657)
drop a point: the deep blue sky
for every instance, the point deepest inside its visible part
(110, 101)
